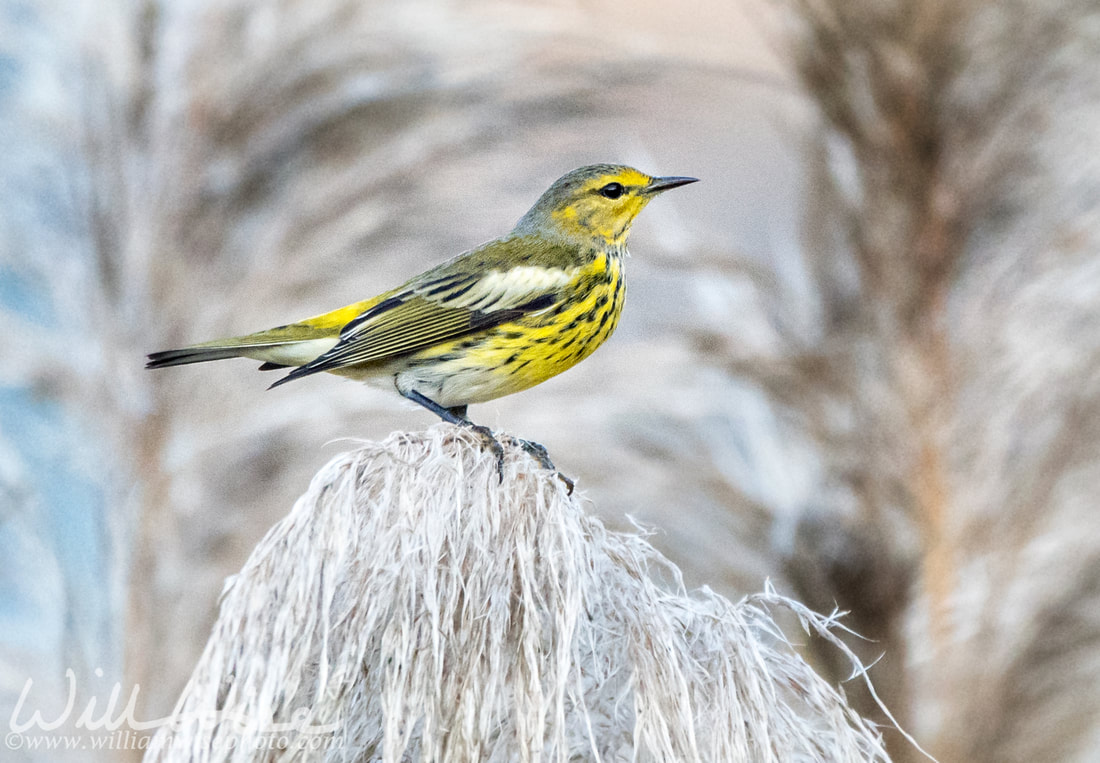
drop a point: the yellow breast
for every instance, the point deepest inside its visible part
(518, 355)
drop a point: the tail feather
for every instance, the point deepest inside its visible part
(190, 355)
(278, 353)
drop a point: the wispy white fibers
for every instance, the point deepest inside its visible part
(411, 607)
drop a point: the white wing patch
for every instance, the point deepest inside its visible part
(502, 289)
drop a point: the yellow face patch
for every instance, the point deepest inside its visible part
(604, 207)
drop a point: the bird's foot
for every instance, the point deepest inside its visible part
(540, 454)
(492, 443)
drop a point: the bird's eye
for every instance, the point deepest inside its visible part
(612, 191)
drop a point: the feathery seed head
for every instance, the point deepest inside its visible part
(594, 203)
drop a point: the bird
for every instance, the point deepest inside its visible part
(492, 321)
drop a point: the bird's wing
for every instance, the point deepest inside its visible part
(443, 304)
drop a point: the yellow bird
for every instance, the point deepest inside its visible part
(492, 321)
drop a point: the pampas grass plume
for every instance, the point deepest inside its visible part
(412, 608)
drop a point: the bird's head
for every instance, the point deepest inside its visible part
(595, 204)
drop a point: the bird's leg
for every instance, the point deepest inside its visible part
(457, 416)
(540, 454)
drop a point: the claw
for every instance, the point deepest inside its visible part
(493, 445)
(540, 454)
(569, 484)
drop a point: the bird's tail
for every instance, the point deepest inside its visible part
(190, 355)
(271, 351)
(294, 344)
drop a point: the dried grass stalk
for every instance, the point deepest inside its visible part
(418, 610)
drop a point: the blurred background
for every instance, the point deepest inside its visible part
(861, 358)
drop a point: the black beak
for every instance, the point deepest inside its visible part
(664, 184)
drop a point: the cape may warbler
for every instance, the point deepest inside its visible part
(492, 321)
